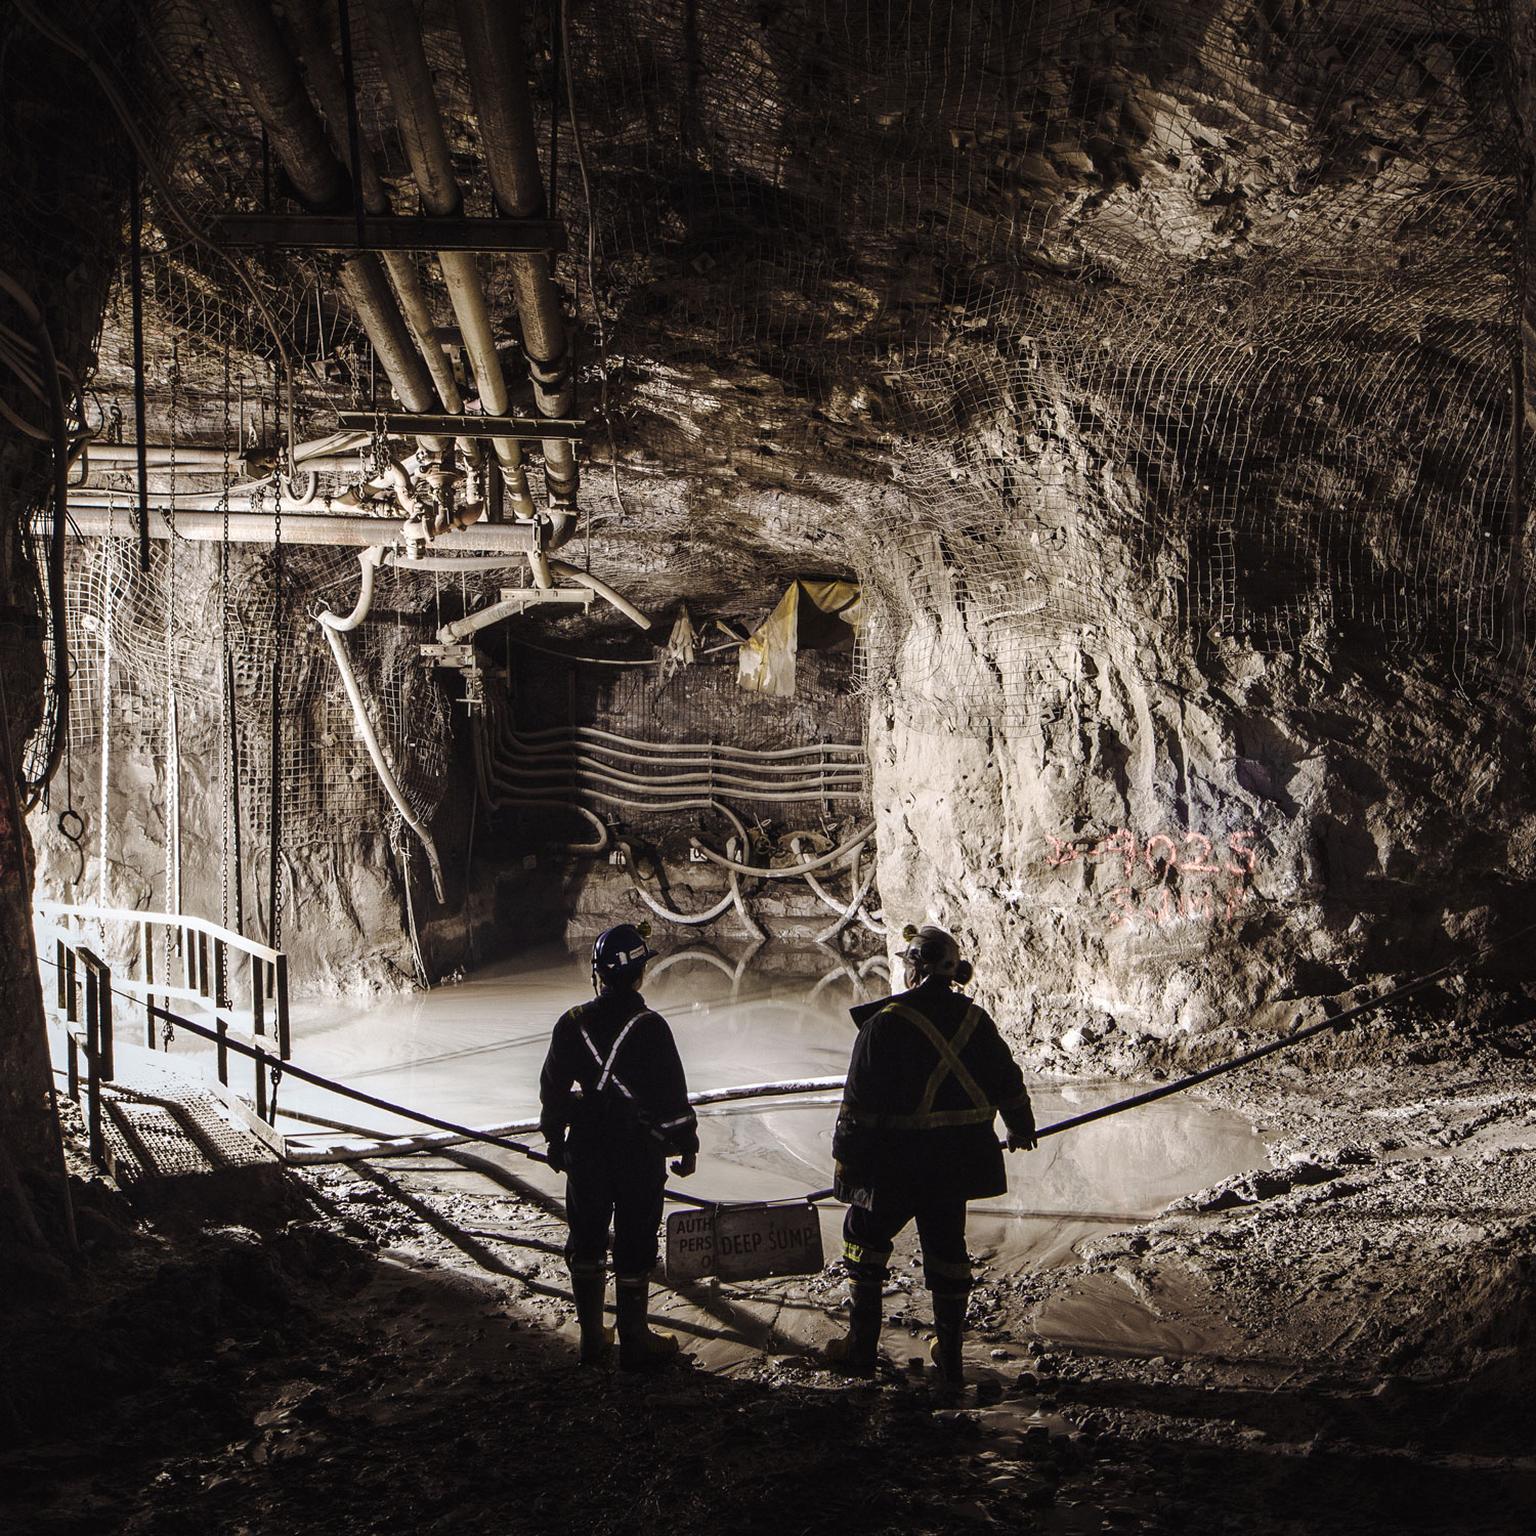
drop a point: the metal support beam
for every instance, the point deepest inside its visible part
(531, 429)
(302, 528)
(386, 232)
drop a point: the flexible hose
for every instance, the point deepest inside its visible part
(369, 562)
(527, 747)
(852, 910)
(375, 752)
(496, 793)
(793, 872)
(596, 584)
(593, 733)
(828, 900)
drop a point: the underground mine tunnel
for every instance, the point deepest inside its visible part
(716, 515)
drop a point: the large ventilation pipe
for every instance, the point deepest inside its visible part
(403, 61)
(255, 50)
(498, 79)
(307, 26)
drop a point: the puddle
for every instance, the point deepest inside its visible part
(472, 1052)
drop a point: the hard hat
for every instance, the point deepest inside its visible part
(621, 948)
(932, 952)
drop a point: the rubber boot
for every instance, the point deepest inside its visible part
(587, 1287)
(639, 1348)
(949, 1330)
(859, 1352)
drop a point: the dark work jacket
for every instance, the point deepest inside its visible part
(642, 1110)
(911, 1133)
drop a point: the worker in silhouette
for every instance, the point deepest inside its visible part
(915, 1139)
(612, 1139)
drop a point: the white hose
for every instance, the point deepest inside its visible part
(792, 872)
(814, 789)
(375, 752)
(570, 747)
(592, 732)
(369, 561)
(852, 910)
(827, 899)
(596, 584)
(496, 792)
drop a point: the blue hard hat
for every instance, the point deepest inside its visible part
(621, 947)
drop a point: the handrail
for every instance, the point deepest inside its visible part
(90, 911)
(244, 1003)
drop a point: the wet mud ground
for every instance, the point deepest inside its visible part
(1337, 1339)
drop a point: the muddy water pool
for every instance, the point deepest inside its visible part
(472, 1052)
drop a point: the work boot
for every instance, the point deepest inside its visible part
(587, 1287)
(639, 1348)
(858, 1353)
(949, 1330)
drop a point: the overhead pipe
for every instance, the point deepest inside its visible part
(403, 61)
(255, 49)
(498, 80)
(240, 527)
(325, 81)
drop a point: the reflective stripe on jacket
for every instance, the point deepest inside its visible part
(928, 1077)
(613, 1078)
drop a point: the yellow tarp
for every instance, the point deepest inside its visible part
(811, 616)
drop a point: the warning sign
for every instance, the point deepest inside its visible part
(744, 1242)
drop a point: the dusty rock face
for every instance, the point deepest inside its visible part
(1163, 854)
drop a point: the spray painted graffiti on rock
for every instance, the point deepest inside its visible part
(1167, 877)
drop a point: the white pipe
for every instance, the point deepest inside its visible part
(496, 792)
(852, 910)
(793, 793)
(603, 590)
(687, 919)
(793, 872)
(572, 750)
(685, 746)
(369, 561)
(261, 528)
(375, 752)
(828, 900)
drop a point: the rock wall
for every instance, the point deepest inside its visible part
(1172, 847)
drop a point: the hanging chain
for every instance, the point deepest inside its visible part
(225, 692)
(275, 830)
(172, 803)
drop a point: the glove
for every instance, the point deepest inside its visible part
(556, 1155)
(1021, 1129)
(685, 1165)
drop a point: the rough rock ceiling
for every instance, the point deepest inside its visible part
(1069, 314)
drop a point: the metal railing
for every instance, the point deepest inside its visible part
(234, 986)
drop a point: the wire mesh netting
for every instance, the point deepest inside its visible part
(1193, 315)
(162, 634)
